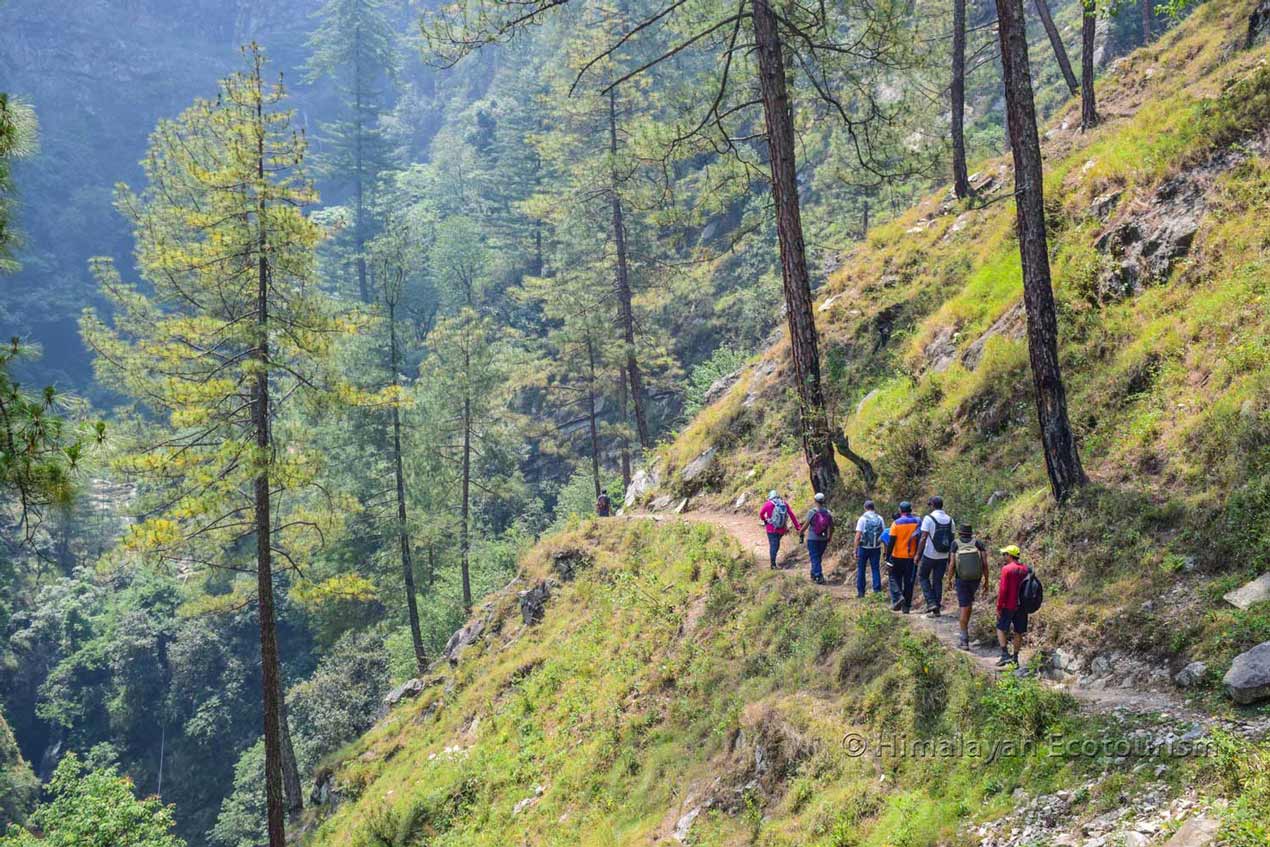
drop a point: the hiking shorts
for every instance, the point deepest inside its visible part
(1007, 618)
(966, 589)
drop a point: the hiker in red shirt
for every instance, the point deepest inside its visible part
(1009, 615)
(776, 517)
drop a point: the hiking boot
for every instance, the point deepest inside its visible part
(906, 610)
(1007, 659)
(895, 607)
(963, 641)
(931, 612)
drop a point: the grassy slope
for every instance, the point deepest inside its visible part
(1169, 390)
(656, 681)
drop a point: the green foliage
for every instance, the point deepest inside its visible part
(18, 129)
(18, 786)
(95, 809)
(724, 361)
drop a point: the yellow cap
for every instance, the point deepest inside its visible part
(1012, 550)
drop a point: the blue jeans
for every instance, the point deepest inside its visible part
(773, 545)
(871, 556)
(901, 582)
(816, 552)
(931, 574)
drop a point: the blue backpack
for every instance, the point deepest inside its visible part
(874, 526)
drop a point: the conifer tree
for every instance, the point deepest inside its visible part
(355, 45)
(228, 328)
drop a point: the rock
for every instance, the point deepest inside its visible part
(684, 825)
(461, 639)
(683, 505)
(1011, 324)
(1100, 666)
(533, 603)
(1133, 839)
(1199, 831)
(521, 805)
(408, 690)
(661, 503)
(1190, 675)
(1253, 592)
(741, 500)
(567, 563)
(1145, 244)
(720, 387)
(695, 472)
(828, 304)
(1105, 204)
(1248, 679)
(998, 497)
(642, 483)
(941, 351)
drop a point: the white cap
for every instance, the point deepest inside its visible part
(820, 497)
(773, 494)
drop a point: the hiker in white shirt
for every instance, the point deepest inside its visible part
(936, 542)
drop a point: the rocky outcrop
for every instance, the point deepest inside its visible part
(533, 603)
(408, 690)
(1011, 324)
(1248, 679)
(698, 473)
(1191, 675)
(645, 481)
(469, 634)
(569, 563)
(1148, 241)
(720, 386)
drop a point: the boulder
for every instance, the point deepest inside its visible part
(696, 470)
(1146, 243)
(408, 690)
(644, 481)
(1253, 592)
(459, 641)
(1190, 675)
(1248, 679)
(533, 603)
(661, 504)
(1198, 831)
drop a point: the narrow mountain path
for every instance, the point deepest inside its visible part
(749, 532)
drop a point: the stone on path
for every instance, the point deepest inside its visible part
(1254, 592)
(1248, 679)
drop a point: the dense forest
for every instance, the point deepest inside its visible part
(324, 312)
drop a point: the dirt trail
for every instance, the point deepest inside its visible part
(749, 532)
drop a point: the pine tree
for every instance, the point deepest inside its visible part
(1061, 457)
(355, 44)
(229, 327)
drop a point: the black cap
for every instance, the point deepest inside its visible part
(868, 505)
(906, 506)
(966, 529)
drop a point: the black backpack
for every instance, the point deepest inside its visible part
(603, 505)
(942, 538)
(1031, 593)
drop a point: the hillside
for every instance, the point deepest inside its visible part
(670, 692)
(1160, 260)
(644, 683)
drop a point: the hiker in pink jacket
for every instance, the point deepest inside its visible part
(777, 517)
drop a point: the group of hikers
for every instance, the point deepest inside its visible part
(916, 551)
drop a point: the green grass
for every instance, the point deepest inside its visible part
(662, 675)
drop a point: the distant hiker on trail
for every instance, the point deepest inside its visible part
(819, 523)
(901, 548)
(968, 573)
(869, 528)
(603, 505)
(776, 517)
(1010, 612)
(936, 543)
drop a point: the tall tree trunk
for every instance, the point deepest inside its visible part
(359, 172)
(1061, 458)
(623, 287)
(291, 786)
(957, 96)
(1056, 41)
(1088, 32)
(465, 541)
(816, 433)
(595, 433)
(623, 413)
(864, 219)
(270, 677)
(1147, 13)
(403, 531)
